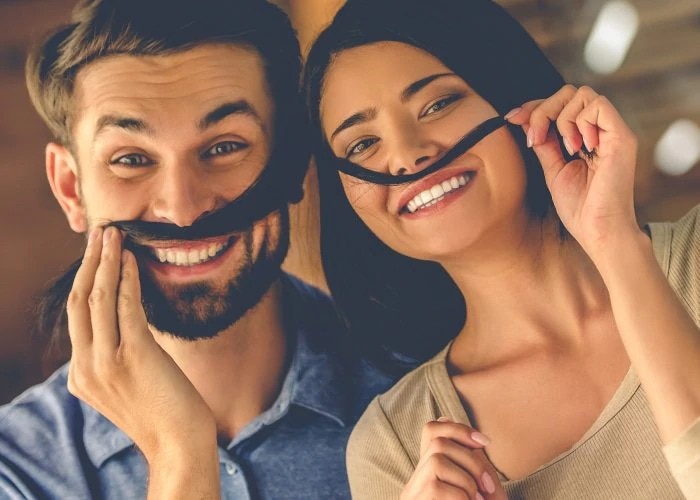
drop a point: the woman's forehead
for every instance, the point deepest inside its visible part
(361, 76)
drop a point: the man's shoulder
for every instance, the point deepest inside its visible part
(43, 408)
(329, 352)
(310, 306)
(40, 441)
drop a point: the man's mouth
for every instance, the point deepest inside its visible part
(192, 253)
(436, 193)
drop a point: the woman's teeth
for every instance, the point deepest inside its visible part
(436, 193)
(190, 257)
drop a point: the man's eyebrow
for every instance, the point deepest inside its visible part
(123, 122)
(416, 86)
(241, 107)
(359, 117)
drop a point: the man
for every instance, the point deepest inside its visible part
(179, 144)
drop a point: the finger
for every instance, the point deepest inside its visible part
(568, 127)
(103, 297)
(78, 311)
(546, 113)
(472, 461)
(521, 115)
(441, 468)
(461, 433)
(133, 326)
(601, 118)
(551, 158)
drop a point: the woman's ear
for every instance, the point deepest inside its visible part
(62, 172)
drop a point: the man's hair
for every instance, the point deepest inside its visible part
(104, 28)
(393, 303)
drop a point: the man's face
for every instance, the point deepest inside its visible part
(170, 139)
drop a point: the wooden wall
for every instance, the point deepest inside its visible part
(659, 83)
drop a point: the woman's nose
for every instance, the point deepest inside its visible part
(413, 152)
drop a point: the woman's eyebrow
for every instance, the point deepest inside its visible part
(360, 117)
(416, 86)
(370, 113)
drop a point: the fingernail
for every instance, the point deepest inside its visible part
(108, 234)
(480, 438)
(93, 236)
(568, 147)
(530, 137)
(510, 114)
(478, 496)
(488, 483)
(444, 419)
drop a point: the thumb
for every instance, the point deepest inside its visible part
(551, 156)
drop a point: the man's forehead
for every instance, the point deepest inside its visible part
(201, 76)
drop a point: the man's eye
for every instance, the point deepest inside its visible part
(360, 146)
(441, 104)
(225, 148)
(132, 160)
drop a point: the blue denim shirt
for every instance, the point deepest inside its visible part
(54, 446)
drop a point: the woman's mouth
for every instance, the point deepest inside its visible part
(436, 193)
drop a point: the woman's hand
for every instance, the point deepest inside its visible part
(452, 465)
(119, 369)
(593, 194)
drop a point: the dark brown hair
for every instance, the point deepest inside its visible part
(393, 303)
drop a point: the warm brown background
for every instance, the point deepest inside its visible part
(659, 83)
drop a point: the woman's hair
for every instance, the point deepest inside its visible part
(392, 303)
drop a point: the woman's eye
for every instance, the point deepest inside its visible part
(132, 160)
(441, 104)
(360, 147)
(225, 148)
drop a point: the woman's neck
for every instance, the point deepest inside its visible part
(533, 292)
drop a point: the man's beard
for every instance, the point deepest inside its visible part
(201, 310)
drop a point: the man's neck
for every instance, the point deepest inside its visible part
(240, 372)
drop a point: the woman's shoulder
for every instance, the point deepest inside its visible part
(403, 409)
(384, 446)
(677, 248)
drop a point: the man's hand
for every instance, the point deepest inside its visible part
(119, 369)
(452, 465)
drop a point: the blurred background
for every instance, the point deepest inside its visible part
(644, 55)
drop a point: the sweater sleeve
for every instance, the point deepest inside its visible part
(378, 465)
(683, 456)
(683, 453)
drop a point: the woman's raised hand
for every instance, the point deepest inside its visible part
(453, 465)
(119, 369)
(593, 193)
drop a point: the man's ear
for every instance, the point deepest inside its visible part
(62, 172)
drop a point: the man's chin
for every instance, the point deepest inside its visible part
(201, 310)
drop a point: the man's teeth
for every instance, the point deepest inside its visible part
(189, 257)
(436, 193)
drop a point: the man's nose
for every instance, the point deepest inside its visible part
(183, 195)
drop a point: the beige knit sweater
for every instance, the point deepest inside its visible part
(620, 457)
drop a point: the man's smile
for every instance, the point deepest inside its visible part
(186, 256)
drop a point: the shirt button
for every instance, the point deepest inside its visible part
(231, 469)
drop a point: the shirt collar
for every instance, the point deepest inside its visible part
(317, 377)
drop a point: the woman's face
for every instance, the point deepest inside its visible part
(394, 108)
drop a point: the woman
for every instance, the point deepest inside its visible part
(440, 202)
